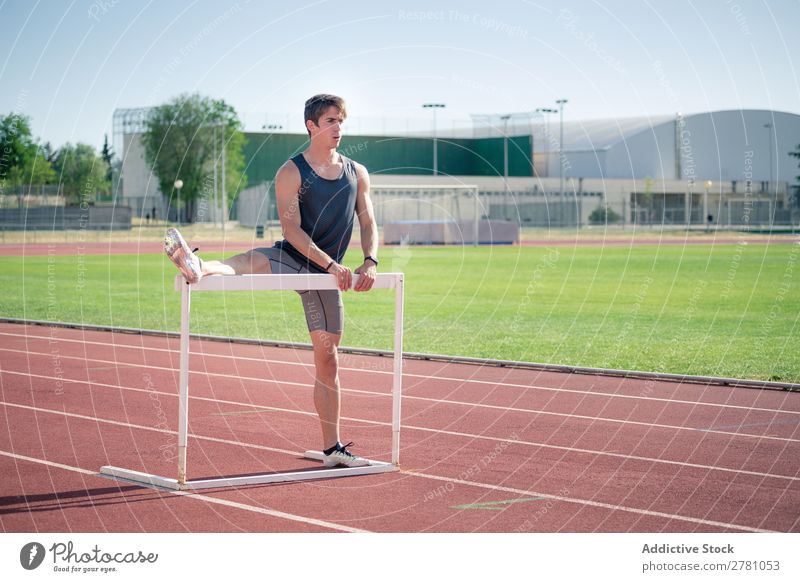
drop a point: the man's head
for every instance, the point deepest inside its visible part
(323, 116)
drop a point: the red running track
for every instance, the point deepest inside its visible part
(151, 247)
(483, 448)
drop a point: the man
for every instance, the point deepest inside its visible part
(318, 191)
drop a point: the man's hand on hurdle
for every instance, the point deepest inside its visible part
(368, 273)
(344, 276)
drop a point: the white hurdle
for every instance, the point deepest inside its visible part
(270, 283)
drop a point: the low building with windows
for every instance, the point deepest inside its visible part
(722, 168)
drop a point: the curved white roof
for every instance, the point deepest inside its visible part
(600, 134)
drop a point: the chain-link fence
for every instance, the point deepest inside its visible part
(85, 217)
(256, 206)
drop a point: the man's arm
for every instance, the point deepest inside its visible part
(369, 231)
(287, 188)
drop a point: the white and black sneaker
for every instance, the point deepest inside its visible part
(188, 263)
(339, 455)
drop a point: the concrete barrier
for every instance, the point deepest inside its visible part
(66, 218)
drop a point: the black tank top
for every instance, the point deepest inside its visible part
(327, 211)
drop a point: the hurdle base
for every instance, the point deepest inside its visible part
(280, 477)
(138, 477)
(317, 456)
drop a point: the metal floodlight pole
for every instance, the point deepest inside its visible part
(178, 185)
(435, 147)
(769, 129)
(533, 145)
(546, 130)
(476, 224)
(224, 196)
(217, 201)
(434, 107)
(216, 179)
(678, 128)
(505, 119)
(561, 103)
(271, 128)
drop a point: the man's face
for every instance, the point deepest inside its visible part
(329, 130)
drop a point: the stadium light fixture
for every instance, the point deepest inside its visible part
(561, 103)
(547, 110)
(434, 107)
(505, 119)
(769, 128)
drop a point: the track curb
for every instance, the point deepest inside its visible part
(564, 369)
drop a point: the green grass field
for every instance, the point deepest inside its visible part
(725, 310)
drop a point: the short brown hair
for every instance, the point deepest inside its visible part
(318, 104)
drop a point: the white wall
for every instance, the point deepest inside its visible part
(724, 145)
(650, 152)
(139, 181)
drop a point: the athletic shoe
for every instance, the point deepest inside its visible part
(341, 456)
(189, 264)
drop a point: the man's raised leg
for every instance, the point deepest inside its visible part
(193, 268)
(249, 263)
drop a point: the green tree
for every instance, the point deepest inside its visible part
(107, 153)
(22, 161)
(179, 143)
(81, 172)
(16, 145)
(39, 170)
(647, 199)
(49, 152)
(604, 215)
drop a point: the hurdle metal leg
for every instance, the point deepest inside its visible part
(269, 282)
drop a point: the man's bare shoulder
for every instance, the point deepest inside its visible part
(361, 170)
(288, 172)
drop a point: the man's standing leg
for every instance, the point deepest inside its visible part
(327, 396)
(327, 399)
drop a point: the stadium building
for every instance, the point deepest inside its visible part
(716, 169)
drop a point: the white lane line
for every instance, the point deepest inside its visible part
(404, 427)
(611, 506)
(152, 428)
(200, 497)
(335, 526)
(48, 463)
(452, 402)
(426, 377)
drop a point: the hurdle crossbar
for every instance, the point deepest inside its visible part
(299, 282)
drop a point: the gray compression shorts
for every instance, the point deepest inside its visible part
(324, 309)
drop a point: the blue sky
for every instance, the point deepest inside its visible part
(68, 65)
